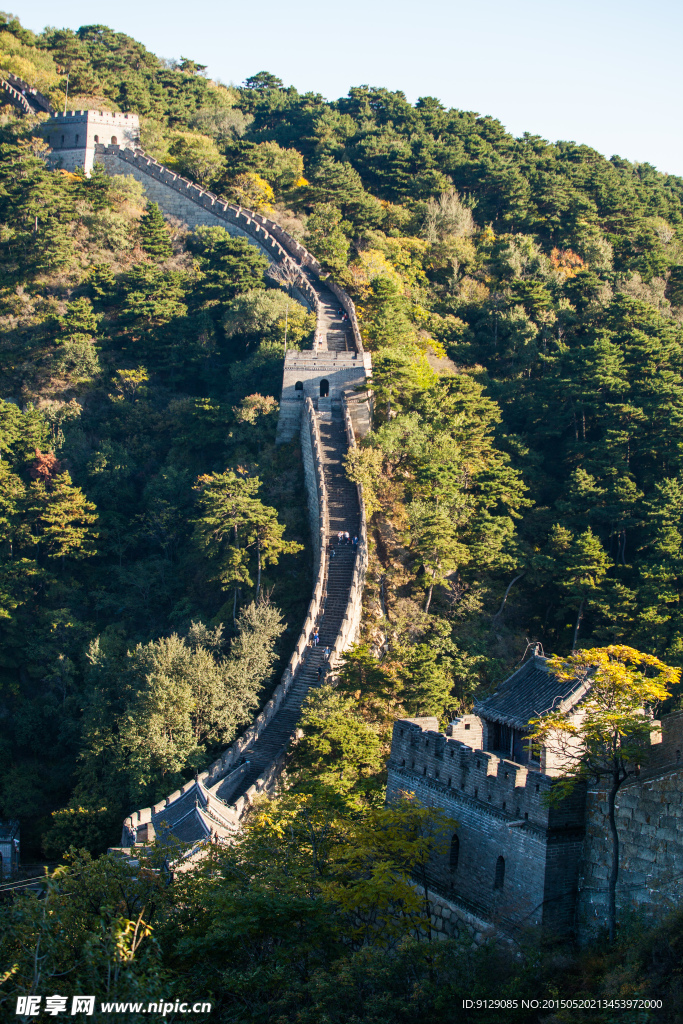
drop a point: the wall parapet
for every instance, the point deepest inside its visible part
(23, 88)
(15, 95)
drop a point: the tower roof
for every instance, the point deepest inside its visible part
(528, 693)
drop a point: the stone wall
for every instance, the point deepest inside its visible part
(274, 239)
(341, 370)
(452, 921)
(178, 197)
(650, 824)
(501, 812)
(233, 755)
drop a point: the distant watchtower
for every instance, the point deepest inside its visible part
(74, 135)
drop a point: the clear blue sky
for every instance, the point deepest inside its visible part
(607, 73)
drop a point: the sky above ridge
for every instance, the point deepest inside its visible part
(606, 73)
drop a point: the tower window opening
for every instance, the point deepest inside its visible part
(454, 853)
(96, 138)
(324, 388)
(114, 141)
(499, 879)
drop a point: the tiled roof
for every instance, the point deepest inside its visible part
(192, 829)
(193, 816)
(174, 812)
(530, 692)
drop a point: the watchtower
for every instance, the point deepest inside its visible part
(74, 135)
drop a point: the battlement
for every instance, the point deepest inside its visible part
(518, 793)
(104, 116)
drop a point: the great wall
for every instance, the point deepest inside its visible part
(514, 862)
(326, 403)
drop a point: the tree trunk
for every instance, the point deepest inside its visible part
(258, 567)
(510, 586)
(614, 871)
(234, 608)
(429, 593)
(578, 623)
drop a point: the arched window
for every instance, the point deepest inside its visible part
(299, 386)
(96, 138)
(455, 853)
(324, 388)
(500, 873)
(114, 141)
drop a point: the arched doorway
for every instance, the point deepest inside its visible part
(454, 856)
(299, 386)
(499, 880)
(114, 141)
(324, 388)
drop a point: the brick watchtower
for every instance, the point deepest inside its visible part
(74, 135)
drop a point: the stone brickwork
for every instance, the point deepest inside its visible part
(650, 824)
(501, 813)
(452, 921)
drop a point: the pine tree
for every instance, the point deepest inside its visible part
(62, 518)
(154, 237)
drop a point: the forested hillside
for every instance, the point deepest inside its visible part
(523, 304)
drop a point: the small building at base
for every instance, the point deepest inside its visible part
(9, 847)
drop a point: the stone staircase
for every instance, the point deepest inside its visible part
(344, 515)
(334, 332)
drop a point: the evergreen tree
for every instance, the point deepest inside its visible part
(61, 518)
(154, 236)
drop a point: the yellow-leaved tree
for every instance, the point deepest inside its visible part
(606, 736)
